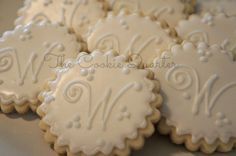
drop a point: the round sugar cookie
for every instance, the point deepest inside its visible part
(199, 84)
(99, 105)
(28, 56)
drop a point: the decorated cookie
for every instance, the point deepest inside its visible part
(170, 11)
(199, 103)
(211, 29)
(28, 55)
(217, 6)
(131, 35)
(98, 104)
(78, 15)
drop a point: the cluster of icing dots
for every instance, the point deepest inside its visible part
(26, 35)
(124, 114)
(75, 123)
(88, 73)
(207, 19)
(203, 53)
(221, 120)
(137, 86)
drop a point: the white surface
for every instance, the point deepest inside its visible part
(20, 135)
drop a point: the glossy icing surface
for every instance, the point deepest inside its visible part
(200, 91)
(92, 111)
(28, 55)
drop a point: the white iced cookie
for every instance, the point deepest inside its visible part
(217, 29)
(99, 104)
(78, 15)
(131, 35)
(28, 55)
(170, 11)
(217, 6)
(199, 87)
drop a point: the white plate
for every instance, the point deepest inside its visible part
(20, 135)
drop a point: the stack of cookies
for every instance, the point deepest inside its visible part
(105, 74)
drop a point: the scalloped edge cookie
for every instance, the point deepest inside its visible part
(9, 104)
(136, 143)
(167, 127)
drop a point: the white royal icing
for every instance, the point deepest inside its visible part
(130, 35)
(78, 15)
(27, 56)
(217, 6)
(218, 29)
(200, 91)
(169, 10)
(91, 105)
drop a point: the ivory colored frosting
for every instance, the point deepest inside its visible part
(28, 55)
(97, 102)
(200, 92)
